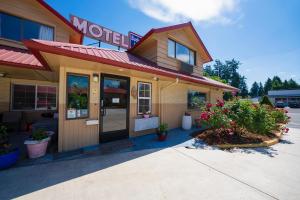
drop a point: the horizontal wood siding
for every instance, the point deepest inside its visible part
(174, 102)
(149, 51)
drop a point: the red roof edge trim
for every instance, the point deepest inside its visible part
(64, 52)
(13, 64)
(168, 28)
(54, 12)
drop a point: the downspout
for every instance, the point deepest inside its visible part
(161, 89)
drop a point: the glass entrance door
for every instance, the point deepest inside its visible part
(114, 107)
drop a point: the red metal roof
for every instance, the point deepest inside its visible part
(169, 28)
(19, 58)
(115, 58)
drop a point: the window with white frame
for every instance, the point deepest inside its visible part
(144, 97)
(33, 97)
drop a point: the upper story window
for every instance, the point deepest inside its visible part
(181, 52)
(18, 29)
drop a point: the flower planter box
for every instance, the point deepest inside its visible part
(146, 123)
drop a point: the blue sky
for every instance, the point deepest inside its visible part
(264, 35)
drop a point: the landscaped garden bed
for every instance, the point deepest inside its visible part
(240, 123)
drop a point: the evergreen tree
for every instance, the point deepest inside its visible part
(260, 90)
(254, 89)
(227, 72)
(292, 84)
(268, 86)
(243, 87)
(208, 71)
(276, 83)
(285, 85)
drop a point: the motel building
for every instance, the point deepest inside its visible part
(89, 94)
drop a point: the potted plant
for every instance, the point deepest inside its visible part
(8, 155)
(37, 144)
(162, 132)
(146, 114)
(187, 121)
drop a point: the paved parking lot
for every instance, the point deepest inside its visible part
(169, 173)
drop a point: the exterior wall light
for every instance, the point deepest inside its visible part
(155, 78)
(2, 74)
(96, 78)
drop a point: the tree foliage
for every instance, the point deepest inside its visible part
(254, 89)
(226, 72)
(273, 84)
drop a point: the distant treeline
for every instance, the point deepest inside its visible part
(226, 72)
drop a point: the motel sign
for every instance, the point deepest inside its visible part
(104, 34)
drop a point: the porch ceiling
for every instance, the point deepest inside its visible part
(30, 74)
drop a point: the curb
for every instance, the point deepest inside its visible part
(262, 144)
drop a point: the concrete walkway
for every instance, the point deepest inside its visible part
(169, 173)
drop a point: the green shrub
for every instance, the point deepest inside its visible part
(279, 115)
(262, 120)
(266, 101)
(39, 134)
(3, 135)
(163, 128)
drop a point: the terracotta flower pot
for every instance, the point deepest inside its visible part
(35, 148)
(162, 136)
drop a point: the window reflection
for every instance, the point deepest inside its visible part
(77, 96)
(181, 52)
(196, 99)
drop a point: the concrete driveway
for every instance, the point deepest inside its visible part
(170, 173)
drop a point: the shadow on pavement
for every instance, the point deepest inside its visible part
(19, 181)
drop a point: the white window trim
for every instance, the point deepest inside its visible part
(150, 98)
(35, 100)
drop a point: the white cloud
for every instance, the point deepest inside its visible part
(215, 11)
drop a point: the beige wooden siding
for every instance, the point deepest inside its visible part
(149, 51)
(174, 100)
(31, 10)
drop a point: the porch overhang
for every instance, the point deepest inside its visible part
(118, 60)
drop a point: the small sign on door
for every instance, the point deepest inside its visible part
(115, 100)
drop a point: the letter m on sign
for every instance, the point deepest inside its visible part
(79, 23)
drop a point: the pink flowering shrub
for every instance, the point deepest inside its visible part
(238, 115)
(215, 117)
